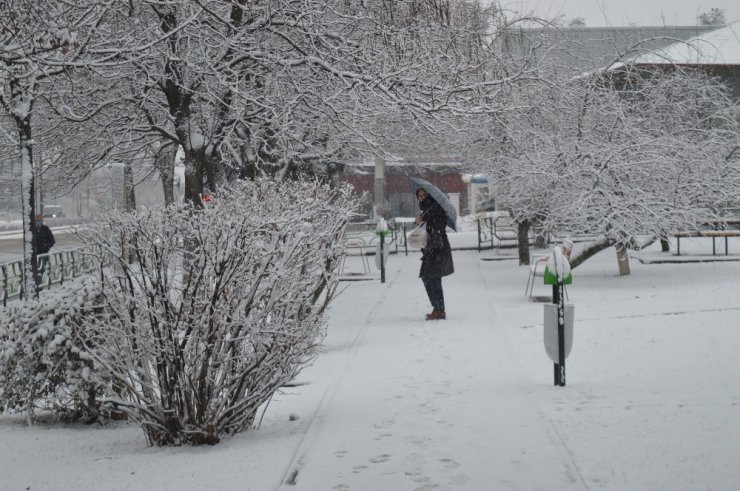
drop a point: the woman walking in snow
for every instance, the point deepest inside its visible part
(436, 257)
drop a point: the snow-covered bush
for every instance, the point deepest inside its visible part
(42, 365)
(210, 311)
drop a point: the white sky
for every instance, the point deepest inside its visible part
(625, 12)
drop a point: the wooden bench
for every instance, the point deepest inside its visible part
(714, 234)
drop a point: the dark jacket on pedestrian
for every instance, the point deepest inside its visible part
(436, 257)
(45, 239)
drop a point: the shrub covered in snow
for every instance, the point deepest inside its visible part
(210, 311)
(42, 363)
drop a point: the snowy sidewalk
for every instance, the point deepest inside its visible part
(468, 403)
(431, 405)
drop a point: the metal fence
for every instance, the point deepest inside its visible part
(364, 232)
(496, 232)
(54, 268)
(501, 228)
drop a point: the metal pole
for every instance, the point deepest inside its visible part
(558, 298)
(5, 286)
(478, 222)
(382, 258)
(379, 206)
(490, 230)
(405, 240)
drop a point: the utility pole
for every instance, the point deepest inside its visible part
(38, 185)
(379, 206)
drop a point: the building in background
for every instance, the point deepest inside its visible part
(103, 188)
(579, 50)
(716, 53)
(442, 171)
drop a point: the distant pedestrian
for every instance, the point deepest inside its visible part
(44, 242)
(436, 257)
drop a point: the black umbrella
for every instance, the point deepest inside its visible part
(439, 197)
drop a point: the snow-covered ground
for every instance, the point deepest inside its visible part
(399, 403)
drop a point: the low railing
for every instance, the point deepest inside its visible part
(727, 228)
(400, 231)
(365, 233)
(54, 268)
(497, 231)
(505, 231)
(713, 234)
(500, 228)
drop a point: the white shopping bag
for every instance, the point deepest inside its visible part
(417, 238)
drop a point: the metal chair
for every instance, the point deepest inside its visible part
(358, 244)
(536, 268)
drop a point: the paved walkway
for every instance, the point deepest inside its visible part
(416, 405)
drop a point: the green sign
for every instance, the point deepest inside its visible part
(552, 279)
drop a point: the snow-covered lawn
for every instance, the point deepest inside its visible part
(397, 403)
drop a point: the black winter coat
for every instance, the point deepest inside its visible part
(436, 257)
(45, 238)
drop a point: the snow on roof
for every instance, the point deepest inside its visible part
(581, 49)
(718, 47)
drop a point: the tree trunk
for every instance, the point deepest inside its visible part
(248, 170)
(194, 166)
(129, 195)
(665, 244)
(215, 173)
(31, 284)
(590, 251)
(623, 260)
(541, 237)
(165, 163)
(522, 235)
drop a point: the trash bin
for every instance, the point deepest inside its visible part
(551, 330)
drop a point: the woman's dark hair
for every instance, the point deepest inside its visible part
(421, 189)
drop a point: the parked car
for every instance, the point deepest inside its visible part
(53, 211)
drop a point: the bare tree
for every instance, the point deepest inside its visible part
(38, 41)
(281, 88)
(577, 22)
(286, 87)
(715, 17)
(619, 155)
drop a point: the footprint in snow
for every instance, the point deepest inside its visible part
(380, 458)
